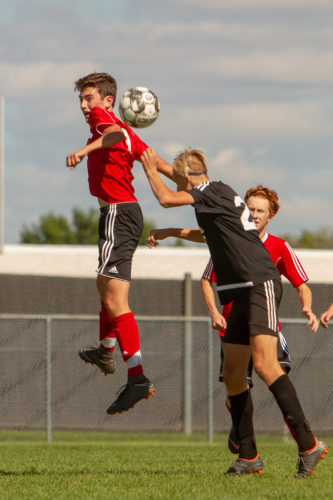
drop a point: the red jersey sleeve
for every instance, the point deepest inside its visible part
(99, 120)
(289, 266)
(209, 272)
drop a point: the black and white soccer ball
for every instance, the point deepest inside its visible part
(139, 107)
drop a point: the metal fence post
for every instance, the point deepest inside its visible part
(48, 380)
(188, 354)
(210, 402)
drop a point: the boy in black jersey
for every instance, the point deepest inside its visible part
(245, 274)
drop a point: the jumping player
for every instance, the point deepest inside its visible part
(112, 149)
(245, 274)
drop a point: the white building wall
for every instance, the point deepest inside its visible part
(161, 262)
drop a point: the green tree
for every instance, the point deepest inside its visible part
(81, 230)
(321, 238)
(51, 229)
(148, 225)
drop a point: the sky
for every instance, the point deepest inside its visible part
(250, 82)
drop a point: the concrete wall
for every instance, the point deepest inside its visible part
(156, 263)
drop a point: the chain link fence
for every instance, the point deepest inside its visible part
(46, 385)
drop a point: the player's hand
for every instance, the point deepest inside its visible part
(156, 234)
(325, 317)
(313, 322)
(74, 159)
(218, 321)
(149, 160)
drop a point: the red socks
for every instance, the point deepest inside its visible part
(127, 332)
(107, 335)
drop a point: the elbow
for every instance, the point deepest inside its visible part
(165, 201)
(165, 204)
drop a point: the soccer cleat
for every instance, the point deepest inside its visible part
(244, 466)
(307, 460)
(130, 395)
(100, 357)
(233, 441)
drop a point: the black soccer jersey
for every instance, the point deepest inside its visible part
(239, 257)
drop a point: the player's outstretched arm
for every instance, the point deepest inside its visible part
(174, 232)
(326, 316)
(166, 197)
(111, 136)
(305, 297)
(164, 167)
(218, 320)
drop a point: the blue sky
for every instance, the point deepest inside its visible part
(249, 82)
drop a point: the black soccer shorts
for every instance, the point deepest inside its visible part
(119, 230)
(254, 312)
(283, 358)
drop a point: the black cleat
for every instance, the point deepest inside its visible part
(233, 441)
(243, 466)
(130, 395)
(100, 357)
(307, 460)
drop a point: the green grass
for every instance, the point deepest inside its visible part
(148, 466)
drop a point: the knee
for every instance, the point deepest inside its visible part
(232, 376)
(260, 368)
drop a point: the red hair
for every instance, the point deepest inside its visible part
(267, 193)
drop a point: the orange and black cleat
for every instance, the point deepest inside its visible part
(308, 460)
(100, 357)
(245, 466)
(130, 395)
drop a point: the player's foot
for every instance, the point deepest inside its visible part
(130, 395)
(243, 466)
(233, 441)
(307, 460)
(100, 357)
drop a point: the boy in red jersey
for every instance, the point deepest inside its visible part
(247, 276)
(112, 149)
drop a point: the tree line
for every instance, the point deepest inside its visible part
(55, 229)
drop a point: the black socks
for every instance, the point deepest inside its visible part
(241, 414)
(289, 404)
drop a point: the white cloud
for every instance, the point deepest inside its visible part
(271, 5)
(290, 65)
(247, 81)
(171, 149)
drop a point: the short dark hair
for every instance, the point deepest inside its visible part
(103, 82)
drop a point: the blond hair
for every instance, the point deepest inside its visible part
(189, 161)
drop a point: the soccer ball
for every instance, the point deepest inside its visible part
(139, 107)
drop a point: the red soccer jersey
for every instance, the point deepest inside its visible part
(110, 169)
(284, 258)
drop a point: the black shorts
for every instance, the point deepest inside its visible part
(254, 312)
(119, 230)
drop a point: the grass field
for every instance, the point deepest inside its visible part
(149, 466)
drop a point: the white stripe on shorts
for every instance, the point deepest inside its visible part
(109, 236)
(270, 301)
